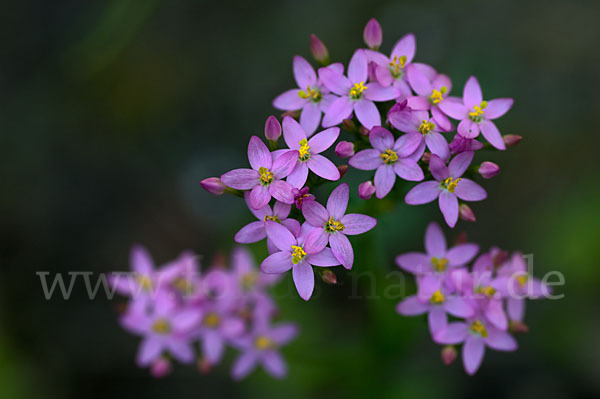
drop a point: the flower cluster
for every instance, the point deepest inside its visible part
(174, 307)
(488, 298)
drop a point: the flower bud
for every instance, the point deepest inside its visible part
(426, 157)
(466, 213)
(272, 128)
(204, 366)
(349, 125)
(448, 354)
(301, 196)
(364, 131)
(160, 368)
(366, 190)
(511, 139)
(344, 149)
(342, 169)
(487, 170)
(372, 35)
(499, 257)
(318, 50)
(517, 327)
(213, 185)
(461, 238)
(327, 275)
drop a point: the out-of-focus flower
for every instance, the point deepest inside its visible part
(272, 128)
(366, 190)
(476, 115)
(487, 169)
(265, 177)
(448, 354)
(461, 144)
(356, 93)
(448, 185)
(161, 367)
(332, 224)
(373, 34)
(344, 149)
(390, 158)
(213, 185)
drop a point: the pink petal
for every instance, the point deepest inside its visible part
(473, 351)
(438, 168)
(250, 233)
(412, 306)
(292, 225)
(150, 349)
(449, 207)
(323, 140)
(367, 113)
(281, 236)
(304, 73)
(458, 307)
(454, 108)
(435, 242)
(258, 213)
(315, 241)
(468, 129)
(419, 103)
(304, 279)
(323, 167)
(418, 81)
(438, 145)
(441, 120)
(339, 110)
(315, 213)
(213, 346)
(342, 249)
(383, 75)
(325, 258)
(407, 144)
(437, 320)
(243, 365)
(258, 154)
(293, 133)
(338, 201)
(259, 196)
(408, 170)
(413, 262)
(281, 210)
(384, 180)
(140, 260)
(298, 176)
(472, 93)
(366, 160)
(182, 351)
(335, 81)
(405, 46)
(356, 223)
(515, 308)
(377, 92)
(500, 340)
(461, 254)
(498, 107)
(310, 118)
(284, 164)
(240, 179)
(468, 190)
(381, 139)
(279, 262)
(453, 334)
(357, 68)
(494, 312)
(289, 101)
(274, 364)
(460, 163)
(492, 134)
(423, 193)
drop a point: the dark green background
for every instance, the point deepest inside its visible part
(112, 112)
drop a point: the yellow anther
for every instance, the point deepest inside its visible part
(310, 94)
(144, 281)
(488, 291)
(426, 127)
(183, 285)
(333, 225)
(357, 90)
(397, 64)
(161, 326)
(522, 279)
(262, 343)
(439, 264)
(437, 297)
(478, 328)
(248, 280)
(266, 177)
(212, 320)
(273, 218)
(304, 150)
(450, 184)
(297, 254)
(437, 95)
(477, 112)
(389, 156)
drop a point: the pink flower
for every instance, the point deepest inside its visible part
(430, 94)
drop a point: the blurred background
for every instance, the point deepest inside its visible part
(111, 113)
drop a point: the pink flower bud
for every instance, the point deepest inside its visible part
(343, 169)
(517, 327)
(448, 354)
(344, 149)
(466, 213)
(511, 139)
(160, 368)
(272, 128)
(372, 34)
(461, 238)
(488, 169)
(349, 125)
(213, 185)
(366, 190)
(318, 50)
(327, 275)
(426, 157)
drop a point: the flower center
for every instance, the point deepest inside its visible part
(161, 326)
(477, 327)
(262, 342)
(522, 279)
(273, 218)
(212, 320)
(266, 177)
(304, 150)
(477, 114)
(426, 127)
(183, 285)
(144, 281)
(297, 254)
(311, 94)
(437, 95)
(389, 156)
(488, 291)
(248, 280)
(357, 89)
(437, 298)
(439, 264)
(450, 184)
(334, 225)
(397, 65)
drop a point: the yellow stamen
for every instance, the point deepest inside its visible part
(437, 297)
(522, 279)
(450, 184)
(478, 328)
(297, 254)
(437, 95)
(439, 264)
(426, 127)
(310, 94)
(304, 150)
(262, 343)
(397, 64)
(488, 291)
(266, 176)
(248, 280)
(389, 156)
(145, 282)
(477, 112)
(334, 225)
(357, 90)
(161, 326)
(273, 218)
(212, 320)
(183, 285)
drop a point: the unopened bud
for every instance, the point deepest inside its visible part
(466, 213)
(426, 157)
(366, 190)
(373, 35)
(327, 275)
(160, 368)
(448, 354)
(349, 125)
(318, 50)
(511, 139)
(364, 131)
(204, 366)
(499, 257)
(487, 169)
(213, 185)
(517, 327)
(461, 238)
(343, 169)
(272, 129)
(294, 114)
(344, 149)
